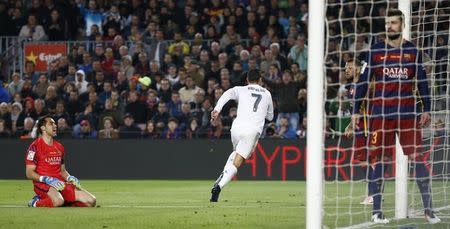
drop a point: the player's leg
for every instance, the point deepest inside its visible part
(243, 151)
(77, 197)
(46, 196)
(360, 154)
(411, 140)
(216, 189)
(381, 139)
(244, 144)
(84, 199)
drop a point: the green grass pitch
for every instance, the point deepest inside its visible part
(185, 204)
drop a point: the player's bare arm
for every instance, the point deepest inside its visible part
(214, 116)
(425, 119)
(30, 171)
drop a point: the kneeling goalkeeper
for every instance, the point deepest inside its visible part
(53, 185)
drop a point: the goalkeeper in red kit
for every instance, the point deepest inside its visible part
(395, 68)
(53, 185)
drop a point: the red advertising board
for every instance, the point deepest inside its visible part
(43, 54)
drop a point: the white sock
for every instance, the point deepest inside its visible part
(228, 173)
(230, 159)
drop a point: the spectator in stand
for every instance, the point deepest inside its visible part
(64, 130)
(60, 112)
(15, 86)
(50, 99)
(27, 90)
(107, 63)
(172, 131)
(57, 27)
(136, 108)
(74, 105)
(108, 131)
(29, 111)
(24, 132)
(172, 74)
(121, 83)
(129, 129)
(274, 74)
(151, 103)
(275, 48)
(142, 67)
(268, 60)
(41, 86)
(4, 94)
(299, 53)
(229, 36)
(39, 107)
(4, 131)
(106, 93)
(32, 31)
(286, 98)
(87, 114)
(91, 16)
(85, 131)
(158, 47)
(111, 113)
(302, 103)
(284, 130)
(30, 72)
(161, 117)
(86, 65)
(150, 131)
(178, 43)
(187, 92)
(194, 130)
(127, 66)
(164, 91)
(174, 105)
(16, 117)
(4, 112)
(301, 132)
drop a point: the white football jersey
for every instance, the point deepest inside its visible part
(254, 106)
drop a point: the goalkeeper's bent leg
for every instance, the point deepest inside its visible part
(46, 203)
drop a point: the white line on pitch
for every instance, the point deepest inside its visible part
(170, 206)
(361, 225)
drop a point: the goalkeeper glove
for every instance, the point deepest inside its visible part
(73, 180)
(55, 183)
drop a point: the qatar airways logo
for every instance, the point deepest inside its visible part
(53, 160)
(396, 73)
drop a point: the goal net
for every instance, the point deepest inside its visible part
(351, 28)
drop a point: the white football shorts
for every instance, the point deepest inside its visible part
(244, 141)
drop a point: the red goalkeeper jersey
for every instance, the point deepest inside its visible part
(47, 158)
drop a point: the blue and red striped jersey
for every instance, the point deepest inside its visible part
(396, 72)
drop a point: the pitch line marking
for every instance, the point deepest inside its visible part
(171, 206)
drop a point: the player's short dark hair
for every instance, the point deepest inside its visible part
(41, 122)
(356, 61)
(395, 12)
(253, 75)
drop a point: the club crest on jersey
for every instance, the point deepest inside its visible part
(30, 155)
(397, 73)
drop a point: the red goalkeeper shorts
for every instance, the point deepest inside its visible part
(68, 193)
(382, 136)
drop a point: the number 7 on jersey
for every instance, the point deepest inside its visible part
(258, 99)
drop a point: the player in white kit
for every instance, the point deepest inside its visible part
(254, 106)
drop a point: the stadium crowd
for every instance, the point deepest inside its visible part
(155, 69)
